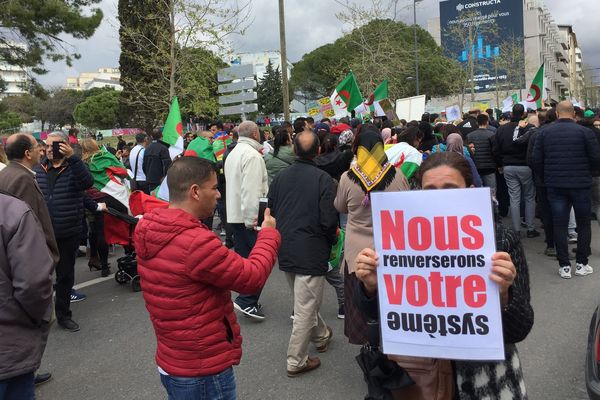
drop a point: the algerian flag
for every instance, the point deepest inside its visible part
(109, 176)
(536, 90)
(405, 157)
(220, 143)
(371, 105)
(515, 98)
(173, 130)
(201, 148)
(346, 96)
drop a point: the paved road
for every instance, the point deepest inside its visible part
(112, 357)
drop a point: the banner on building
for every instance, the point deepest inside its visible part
(435, 295)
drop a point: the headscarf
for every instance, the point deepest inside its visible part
(346, 137)
(372, 170)
(454, 143)
(386, 134)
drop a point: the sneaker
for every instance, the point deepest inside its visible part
(532, 234)
(251, 311)
(583, 270)
(311, 363)
(565, 272)
(68, 325)
(292, 316)
(550, 252)
(222, 233)
(42, 378)
(341, 313)
(573, 237)
(76, 296)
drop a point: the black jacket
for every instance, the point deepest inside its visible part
(467, 126)
(567, 153)
(157, 161)
(301, 199)
(63, 191)
(508, 150)
(483, 140)
(335, 163)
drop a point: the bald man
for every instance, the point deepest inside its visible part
(246, 183)
(302, 197)
(566, 153)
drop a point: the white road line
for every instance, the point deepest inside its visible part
(93, 282)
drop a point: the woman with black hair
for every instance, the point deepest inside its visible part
(282, 156)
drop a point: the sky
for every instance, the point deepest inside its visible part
(309, 24)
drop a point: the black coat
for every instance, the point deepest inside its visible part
(157, 161)
(508, 150)
(483, 140)
(64, 196)
(301, 199)
(567, 153)
(335, 163)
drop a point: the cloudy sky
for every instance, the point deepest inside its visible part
(309, 24)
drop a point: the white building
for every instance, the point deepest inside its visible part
(260, 61)
(16, 78)
(104, 77)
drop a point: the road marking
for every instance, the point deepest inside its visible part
(93, 282)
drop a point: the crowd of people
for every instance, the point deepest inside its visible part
(316, 179)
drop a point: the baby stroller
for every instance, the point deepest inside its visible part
(119, 228)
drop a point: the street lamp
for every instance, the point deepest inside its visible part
(416, 44)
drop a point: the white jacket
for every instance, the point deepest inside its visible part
(246, 182)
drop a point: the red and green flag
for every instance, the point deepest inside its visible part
(173, 130)
(536, 91)
(201, 148)
(346, 96)
(371, 105)
(109, 176)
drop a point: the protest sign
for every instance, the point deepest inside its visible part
(411, 108)
(320, 109)
(453, 113)
(435, 296)
(507, 104)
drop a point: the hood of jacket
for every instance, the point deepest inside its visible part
(158, 228)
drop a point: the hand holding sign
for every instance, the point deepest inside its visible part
(503, 273)
(366, 269)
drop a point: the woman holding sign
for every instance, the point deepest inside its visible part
(371, 172)
(474, 379)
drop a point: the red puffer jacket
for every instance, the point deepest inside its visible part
(186, 274)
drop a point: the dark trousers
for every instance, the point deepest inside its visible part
(561, 201)
(65, 275)
(18, 387)
(502, 195)
(244, 240)
(545, 214)
(98, 246)
(142, 186)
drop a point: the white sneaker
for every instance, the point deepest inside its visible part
(565, 272)
(572, 237)
(583, 270)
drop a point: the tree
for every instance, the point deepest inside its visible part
(26, 106)
(33, 30)
(9, 120)
(270, 95)
(100, 111)
(58, 109)
(159, 44)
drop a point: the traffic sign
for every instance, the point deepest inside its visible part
(236, 86)
(237, 98)
(235, 72)
(239, 109)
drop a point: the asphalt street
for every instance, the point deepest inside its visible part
(112, 357)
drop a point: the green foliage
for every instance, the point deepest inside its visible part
(26, 106)
(270, 95)
(381, 49)
(3, 85)
(9, 120)
(39, 25)
(100, 111)
(58, 109)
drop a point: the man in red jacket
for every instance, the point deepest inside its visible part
(186, 275)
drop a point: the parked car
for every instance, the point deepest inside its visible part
(592, 359)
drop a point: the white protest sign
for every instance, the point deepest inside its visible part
(507, 104)
(411, 108)
(453, 113)
(435, 296)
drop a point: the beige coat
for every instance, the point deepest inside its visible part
(359, 230)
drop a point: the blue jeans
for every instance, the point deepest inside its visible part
(220, 386)
(18, 388)
(243, 242)
(561, 201)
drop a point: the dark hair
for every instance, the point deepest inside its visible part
(218, 124)
(306, 153)
(490, 112)
(448, 159)
(140, 137)
(518, 111)
(579, 112)
(447, 129)
(551, 115)
(185, 172)
(438, 127)
(425, 117)
(433, 117)
(299, 125)
(156, 134)
(387, 124)
(325, 120)
(282, 138)
(362, 128)
(483, 119)
(310, 120)
(409, 135)
(17, 148)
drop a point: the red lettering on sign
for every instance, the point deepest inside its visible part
(394, 289)
(474, 288)
(419, 233)
(416, 291)
(391, 230)
(468, 224)
(446, 233)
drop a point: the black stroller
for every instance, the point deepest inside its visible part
(118, 229)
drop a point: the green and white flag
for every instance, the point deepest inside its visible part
(536, 91)
(371, 105)
(109, 176)
(173, 130)
(405, 157)
(346, 96)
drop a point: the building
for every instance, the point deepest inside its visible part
(15, 78)
(260, 61)
(543, 42)
(103, 78)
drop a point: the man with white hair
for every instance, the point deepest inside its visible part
(246, 183)
(62, 178)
